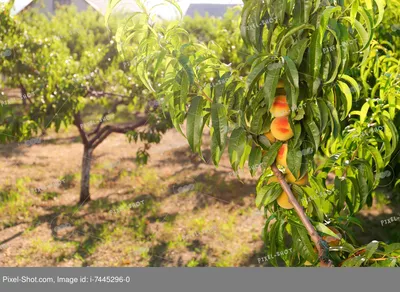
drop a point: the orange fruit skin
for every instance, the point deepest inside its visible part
(280, 129)
(282, 155)
(270, 137)
(291, 179)
(280, 107)
(283, 201)
(281, 84)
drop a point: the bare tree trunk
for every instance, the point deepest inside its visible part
(85, 177)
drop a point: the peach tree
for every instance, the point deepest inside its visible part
(291, 117)
(70, 74)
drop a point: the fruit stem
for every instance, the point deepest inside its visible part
(321, 245)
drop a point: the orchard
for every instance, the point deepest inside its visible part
(317, 77)
(294, 103)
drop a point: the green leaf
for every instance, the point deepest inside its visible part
(272, 152)
(364, 112)
(256, 73)
(371, 249)
(391, 248)
(293, 77)
(393, 131)
(110, 6)
(185, 63)
(363, 184)
(377, 156)
(302, 243)
(356, 261)
(353, 85)
(344, 88)
(315, 55)
(324, 229)
(294, 158)
(296, 52)
(268, 194)
(323, 109)
(335, 124)
(271, 82)
(381, 10)
(238, 148)
(289, 33)
(255, 159)
(219, 131)
(313, 131)
(195, 124)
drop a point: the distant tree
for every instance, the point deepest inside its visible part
(300, 96)
(69, 72)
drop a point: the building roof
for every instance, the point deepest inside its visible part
(212, 7)
(217, 10)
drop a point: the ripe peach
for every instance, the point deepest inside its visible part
(332, 241)
(280, 107)
(281, 130)
(283, 201)
(291, 179)
(270, 137)
(282, 154)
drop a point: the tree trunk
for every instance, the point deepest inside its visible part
(85, 177)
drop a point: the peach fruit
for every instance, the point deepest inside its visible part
(270, 137)
(291, 179)
(280, 107)
(283, 201)
(282, 154)
(281, 130)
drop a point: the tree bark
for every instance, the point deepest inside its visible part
(85, 177)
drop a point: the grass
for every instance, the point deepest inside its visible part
(15, 202)
(50, 251)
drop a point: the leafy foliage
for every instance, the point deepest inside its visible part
(319, 49)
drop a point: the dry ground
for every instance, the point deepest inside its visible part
(176, 211)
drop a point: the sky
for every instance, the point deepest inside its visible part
(18, 5)
(166, 12)
(169, 12)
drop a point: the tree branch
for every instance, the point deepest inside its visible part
(122, 129)
(78, 122)
(112, 110)
(321, 246)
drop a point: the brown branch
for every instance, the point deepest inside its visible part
(78, 122)
(121, 129)
(383, 259)
(112, 110)
(205, 95)
(303, 217)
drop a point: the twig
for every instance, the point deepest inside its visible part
(319, 243)
(383, 259)
(205, 95)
